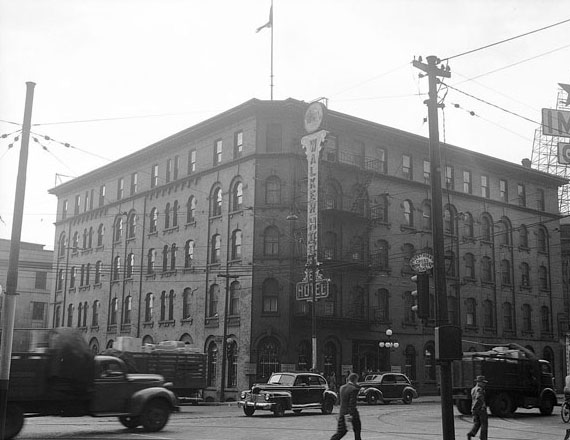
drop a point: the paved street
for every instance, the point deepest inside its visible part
(418, 421)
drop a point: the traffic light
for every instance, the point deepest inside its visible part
(421, 295)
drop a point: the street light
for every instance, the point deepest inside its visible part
(388, 343)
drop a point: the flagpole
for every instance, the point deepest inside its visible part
(272, 25)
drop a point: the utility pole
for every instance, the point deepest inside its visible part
(442, 319)
(227, 276)
(9, 309)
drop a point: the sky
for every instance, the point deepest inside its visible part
(114, 76)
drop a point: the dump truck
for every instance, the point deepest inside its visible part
(516, 377)
(184, 368)
(67, 380)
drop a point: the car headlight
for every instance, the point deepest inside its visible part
(267, 397)
(242, 395)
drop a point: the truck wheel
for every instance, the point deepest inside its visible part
(155, 415)
(14, 421)
(463, 406)
(130, 421)
(502, 405)
(248, 410)
(372, 399)
(408, 397)
(546, 406)
(278, 410)
(327, 406)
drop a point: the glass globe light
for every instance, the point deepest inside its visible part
(396, 344)
(381, 344)
(389, 332)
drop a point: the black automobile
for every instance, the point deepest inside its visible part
(296, 391)
(386, 387)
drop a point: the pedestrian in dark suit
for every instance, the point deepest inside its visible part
(348, 411)
(479, 409)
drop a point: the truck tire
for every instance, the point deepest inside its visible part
(278, 410)
(502, 405)
(372, 399)
(155, 415)
(327, 406)
(130, 421)
(463, 406)
(248, 410)
(14, 421)
(547, 406)
(408, 397)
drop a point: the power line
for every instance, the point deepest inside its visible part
(506, 40)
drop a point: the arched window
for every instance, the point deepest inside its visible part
(542, 278)
(175, 208)
(526, 318)
(381, 305)
(113, 311)
(544, 319)
(236, 244)
(235, 289)
(523, 236)
(486, 228)
(488, 314)
(70, 315)
(508, 316)
(506, 276)
(525, 275)
(408, 252)
(410, 369)
(85, 235)
(171, 305)
(132, 225)
(504, 232)
(216, 202)
(470, 312)
(237, 196)
(270, 295)
(360, 200)
(232, 352)
(165, 258)
(173, 256)
(408, 213)
(128, 306)
(450, 264)
(304, 356)
(163, 305)
(130, 265)
(215, 248)
(429, 361)
(118, 229)
(116, 268)
(149, 307)
(186, 297)
(87, 273)
(379, 211)
(548, 355)
(153, 220)
(469, 266)
(151, 261)
(212, 303)
(61, 245)
(90, 238)
(273, 190)
(75, 242)
(271, 241)
(188, 253)
(486, 270)
(212, 363)
(79, 314)
(426, 216)
(329, 246)
(95, 314)
(167, 216)
(100, 235)
(382, 255)
(98, 268)
(72, 277)
(449, 219)
(268, 357)
(542, 240)
(191, 210)
(467, 225)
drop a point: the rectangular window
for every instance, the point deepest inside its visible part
(238, 144)
(91, 199)
(427, 172)
(521, 192)
(381, 156)
(38, 311)
(485, 187)
(218, 146)
(102, 193)
(407, 170)
(467, 187)
(41, 280)
(86, 204)
(77, 204)
(134, 183)
(176, 167)
(154, 176)
(64, 209)
(449, 177)
(503, 191)
(274, 138)
(540, 205)
(168, 170)
(120, 188)
(331, 149)
(192, 161)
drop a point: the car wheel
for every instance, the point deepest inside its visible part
(407, 398)
(546, 406)
(502, 405)
(155, 415)
(248, 410)
(278, 411)
(130, 422)
(463, 406)
(327, 407)
(14, 421)
(372, 399)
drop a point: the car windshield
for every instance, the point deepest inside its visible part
(372, 377)
(281, 379)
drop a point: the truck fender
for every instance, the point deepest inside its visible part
(328, 394)
(412, 390)
(141, 397)
(376, 391)
(548, 393)
(284, 397)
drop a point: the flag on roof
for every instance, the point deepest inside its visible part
(269, 23)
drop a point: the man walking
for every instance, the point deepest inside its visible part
(348, 410)
(479, 409)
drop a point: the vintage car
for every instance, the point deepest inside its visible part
(385, 387)
(289, 391)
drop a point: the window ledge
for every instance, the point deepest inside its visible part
(94, 328)
(170, 230)
(186, 321)
(190, 224)
(72, 289)
(97, 285)
(99, 248)
(148, 324)
(152, 234)
(168, 273)
(150, 276)
(525, 287)
(167, 323)
(212, 321)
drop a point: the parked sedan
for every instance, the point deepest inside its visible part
(385, 387)
(289, 391)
